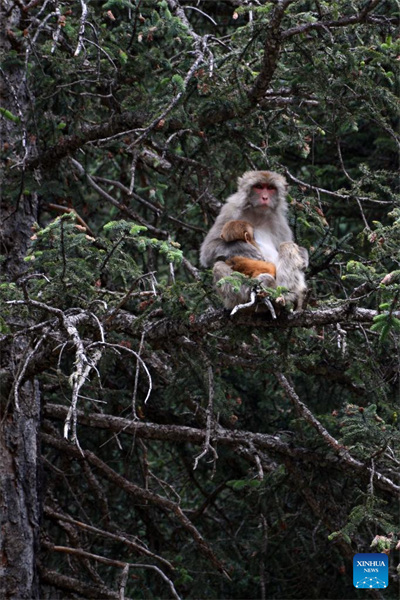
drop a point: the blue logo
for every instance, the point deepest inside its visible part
(370, 571)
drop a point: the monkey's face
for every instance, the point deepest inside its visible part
(263, 190)
(264, 195)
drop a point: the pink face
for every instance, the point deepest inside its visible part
(264, 194)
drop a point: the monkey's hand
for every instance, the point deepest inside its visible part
(251, 267)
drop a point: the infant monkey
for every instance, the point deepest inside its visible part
(243, 231)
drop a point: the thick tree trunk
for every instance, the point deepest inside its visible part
(19, 400)
(19, 497)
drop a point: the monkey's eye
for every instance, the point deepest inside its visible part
(258, 186)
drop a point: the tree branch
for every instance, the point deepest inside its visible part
(69, 144)
(170, 328)
(272, 50)
(139, 493)
(235, 439)
(110, 562)
(361, 17)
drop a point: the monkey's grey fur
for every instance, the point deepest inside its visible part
(292, 262)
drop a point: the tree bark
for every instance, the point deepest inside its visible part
(20, 506)
(19, 497)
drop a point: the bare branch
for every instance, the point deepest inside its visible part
(73, 585)
(111, 562)
(124, 209)
(207, 447)
(24, 366)
(231, 438)
(81, 28)
(361, 17)
(139, 493)
(319, 190)
(107, 534)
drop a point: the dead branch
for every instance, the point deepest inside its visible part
(234, 439)
(139, 493)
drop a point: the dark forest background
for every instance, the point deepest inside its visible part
(153, 446)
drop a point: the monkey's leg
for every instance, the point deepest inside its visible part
(228, 295)
(292, 262)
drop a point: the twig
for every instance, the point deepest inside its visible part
(23, 369)
(173, 102)
(66, 209)
(129, 193)
(21, 116)
(56, 33)
(203, 13)
(77, 379)
(207, 447)
(114, 202)
(270, 306)
(81, 28)
(351, 20)
(107, 534)
(133, 171)
(319, 190)
(135, 386)
(112, 562)
(118, 348)
(251, 302)
(123, 581)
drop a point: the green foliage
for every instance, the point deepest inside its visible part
(386, 321)
(8, 115)
(138, 136)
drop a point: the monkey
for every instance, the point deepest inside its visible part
(242, 230)
(260, 200)
(292, 262)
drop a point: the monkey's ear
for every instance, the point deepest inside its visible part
(304, 255)
(247, 237)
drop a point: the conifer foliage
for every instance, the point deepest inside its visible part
(153, 446)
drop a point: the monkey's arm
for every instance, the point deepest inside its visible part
(216, 249)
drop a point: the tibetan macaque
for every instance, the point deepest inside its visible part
(260, 201)
(292, 262)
